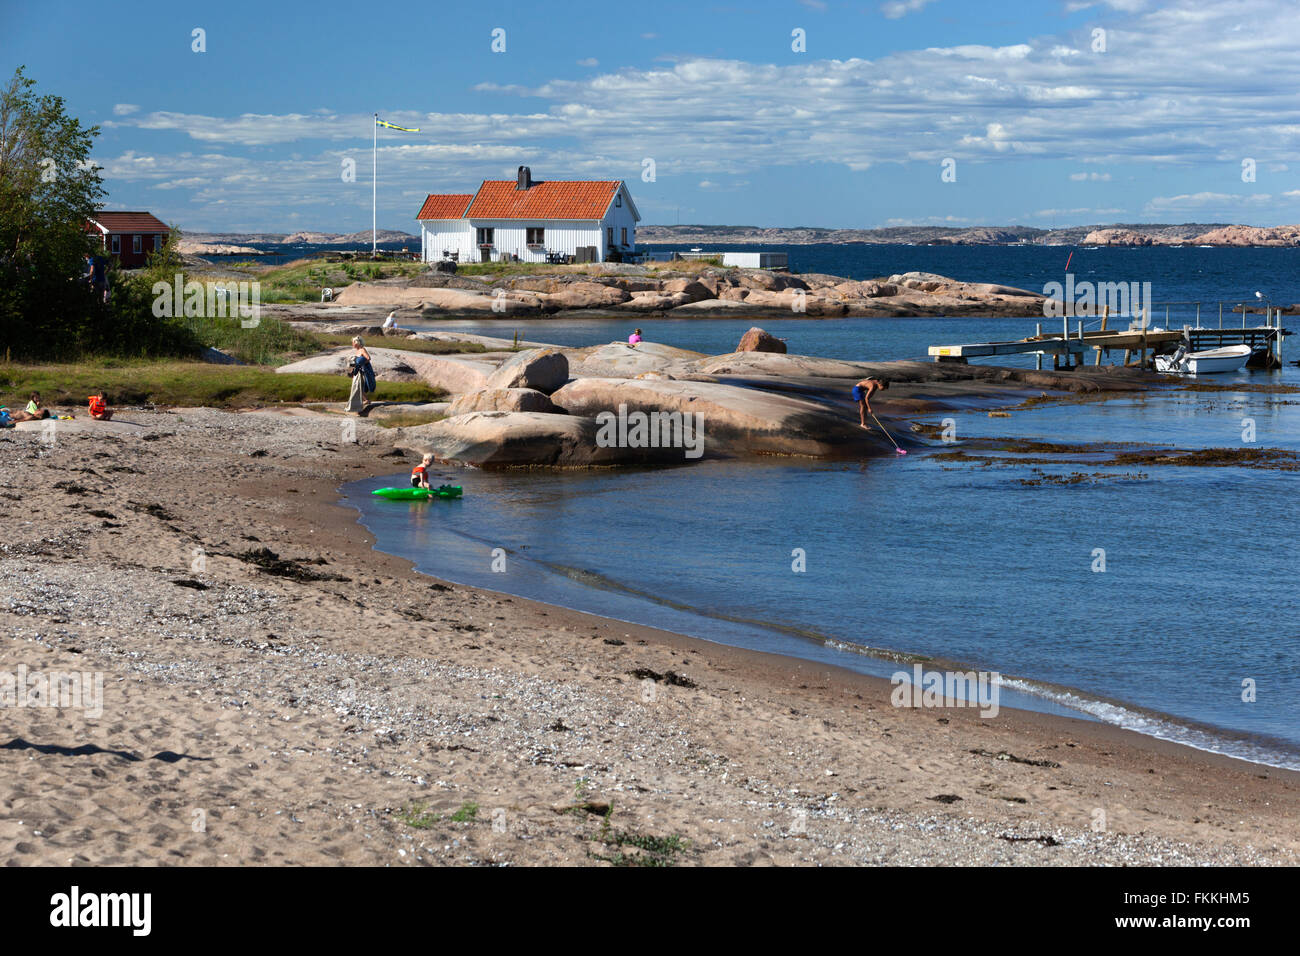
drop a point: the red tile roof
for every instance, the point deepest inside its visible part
(129, 222)
(552, 199)
(445, 206)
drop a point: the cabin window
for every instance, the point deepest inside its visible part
(115, 245)
(157, 243)
(609, 233)
(625, 235)
(136, 245)
(486, 235)
(618, 199)
(536, 235)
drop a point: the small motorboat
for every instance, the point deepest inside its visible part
(1230, 358)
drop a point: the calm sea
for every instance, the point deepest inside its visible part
(1189, 633)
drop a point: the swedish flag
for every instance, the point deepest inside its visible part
(379, 122)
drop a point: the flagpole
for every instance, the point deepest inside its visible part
(374, 187)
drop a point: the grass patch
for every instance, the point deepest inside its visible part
(270, 342)
(181, 383)
(303, 279)
(418, 816)
(467, 812)
(636, 849)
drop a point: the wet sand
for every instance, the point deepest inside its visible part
(350, 710)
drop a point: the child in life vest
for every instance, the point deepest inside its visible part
(420, 473)
(99, 408)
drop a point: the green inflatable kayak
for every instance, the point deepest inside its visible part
(418, 494)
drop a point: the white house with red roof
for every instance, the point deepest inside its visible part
(531, 221)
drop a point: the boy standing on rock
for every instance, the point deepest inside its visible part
(862, 393)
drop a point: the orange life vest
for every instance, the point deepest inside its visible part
(97, 406)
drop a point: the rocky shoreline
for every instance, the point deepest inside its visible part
(549, 406)
(635, 290)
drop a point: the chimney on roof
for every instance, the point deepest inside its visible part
(525, 178)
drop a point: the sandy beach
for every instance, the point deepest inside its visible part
(319, 702)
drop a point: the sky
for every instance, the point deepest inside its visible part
(803, 113)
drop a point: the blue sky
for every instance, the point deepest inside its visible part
(1043, 125)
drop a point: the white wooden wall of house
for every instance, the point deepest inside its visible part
(450, 235)
(510, 237)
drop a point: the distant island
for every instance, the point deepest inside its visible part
(1114, 234)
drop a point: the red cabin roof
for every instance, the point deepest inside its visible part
(128, 222)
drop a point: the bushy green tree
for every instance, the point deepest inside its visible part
(49, 188)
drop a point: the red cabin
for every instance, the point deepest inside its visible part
(129, 236)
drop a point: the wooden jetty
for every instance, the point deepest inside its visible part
(1069, 349)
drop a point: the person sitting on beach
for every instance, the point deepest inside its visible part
(363, 377)
(420, 473)
(34, 411)
(390, 322)
(862, 393)
(634, 338)
(99, 409)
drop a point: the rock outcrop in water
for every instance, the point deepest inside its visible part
(758, 340)
(631, 289)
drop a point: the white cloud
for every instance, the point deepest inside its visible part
(1090, 177)
(589, 61)
(895, 9)
(124, 109)
(714, 120)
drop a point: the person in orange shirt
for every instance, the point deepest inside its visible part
(99, 408)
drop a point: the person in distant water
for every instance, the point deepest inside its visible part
(390, 322)
(34, 411)
(420, 473)
(361, 371)
(635, 337)
(99, 409)
(862, 393)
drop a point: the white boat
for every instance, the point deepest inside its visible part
(1230, 358)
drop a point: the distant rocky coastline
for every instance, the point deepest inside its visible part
(1115, 234)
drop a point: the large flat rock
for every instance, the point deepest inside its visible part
(523, 440)
(736, 421)
(620, 360)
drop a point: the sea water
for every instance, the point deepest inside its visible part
(1159, 598)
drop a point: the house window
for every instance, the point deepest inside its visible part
(536, 236)
(618, 199)
(136, 245)
(115, 245)
(625, 235)
(486, 235)
(610, 235)
(157, 243)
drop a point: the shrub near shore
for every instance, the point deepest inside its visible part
(183, 384)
